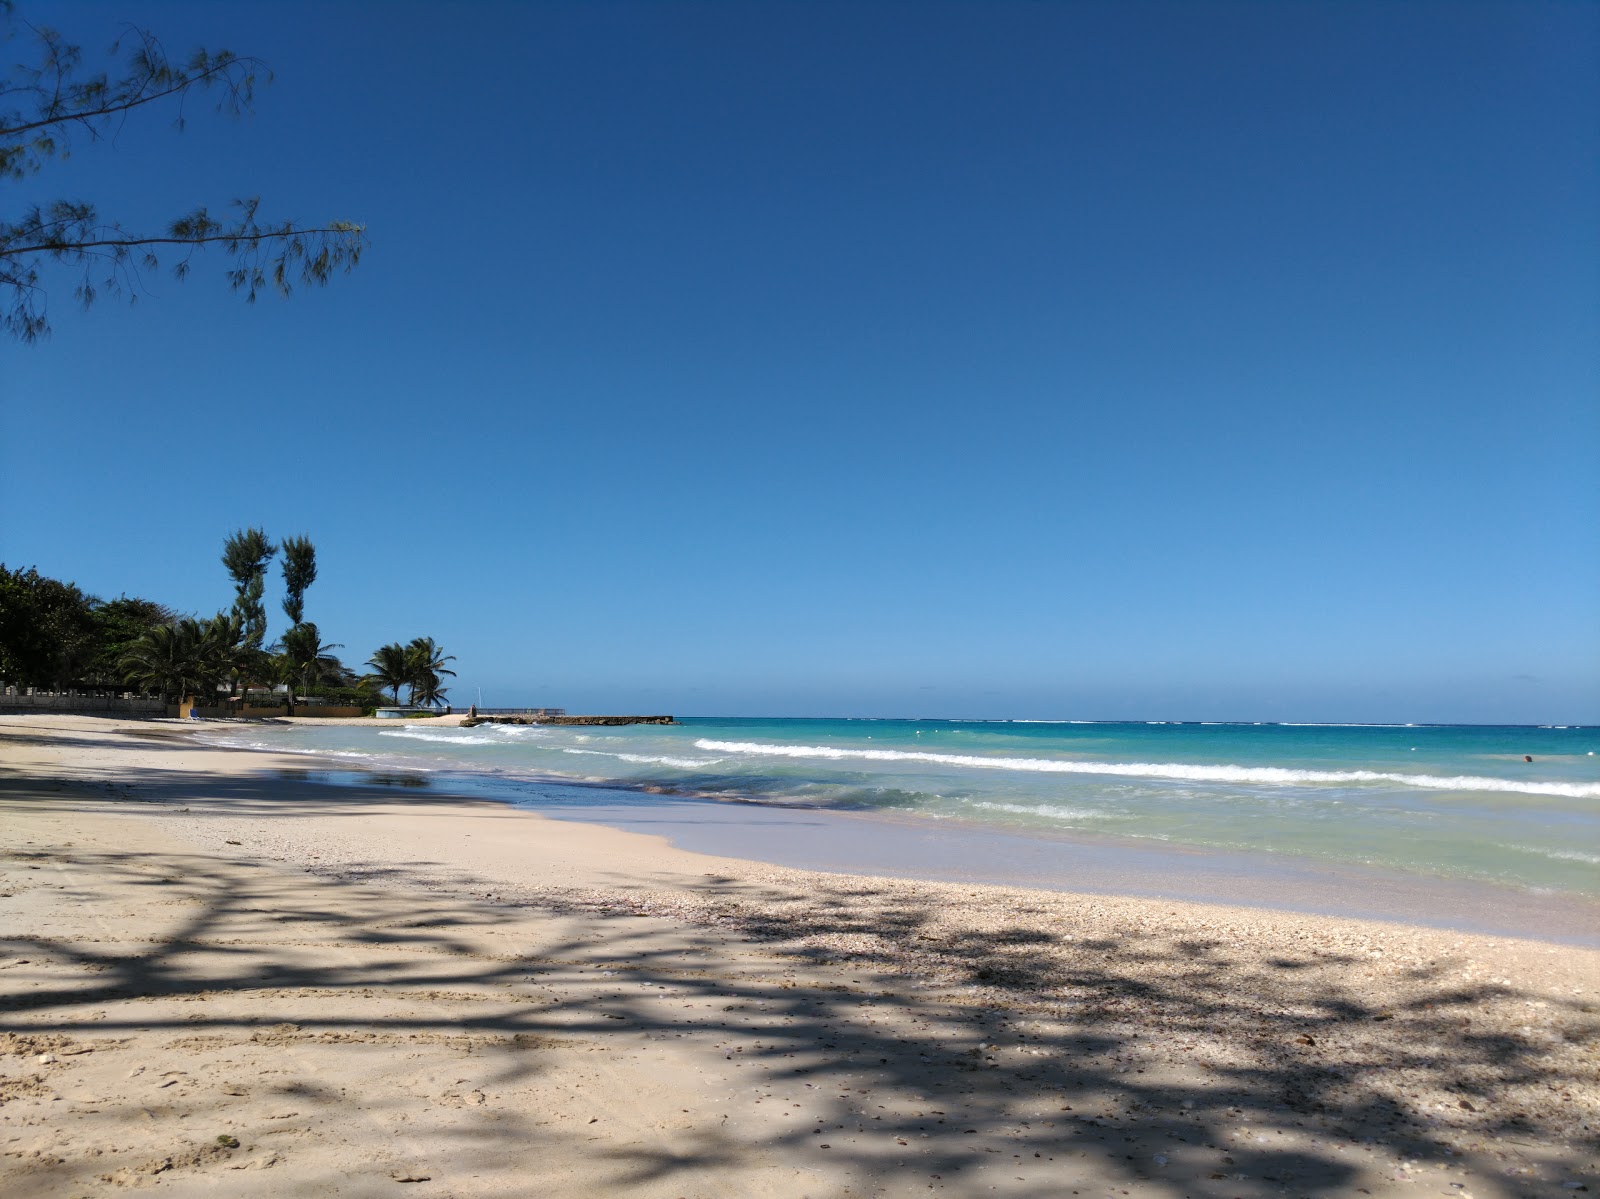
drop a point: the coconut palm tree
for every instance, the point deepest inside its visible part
(222, 651)
(307, 659)
(160, 661)
(391, 667)
(185, 657)
(426, 692)
(427, 661)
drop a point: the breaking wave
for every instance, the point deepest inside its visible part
(1161, 770)
(1049, 811)
(440, 737)
(647, 759)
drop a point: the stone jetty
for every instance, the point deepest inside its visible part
(472, 721)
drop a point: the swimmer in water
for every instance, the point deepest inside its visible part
(1527, 757)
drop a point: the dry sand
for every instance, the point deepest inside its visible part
(218, 979)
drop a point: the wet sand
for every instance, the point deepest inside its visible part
(950, 851)
(376, 988)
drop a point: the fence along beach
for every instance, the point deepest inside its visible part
(312, 985)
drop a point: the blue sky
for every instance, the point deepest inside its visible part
(1124, 360)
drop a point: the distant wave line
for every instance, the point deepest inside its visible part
(1161, 770)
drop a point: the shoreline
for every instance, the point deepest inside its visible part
(530, 1002)
(951, 850)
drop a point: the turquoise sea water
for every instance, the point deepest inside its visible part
(1456, 802)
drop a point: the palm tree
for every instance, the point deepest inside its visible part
(391, 667)
(307, 660)
(180, 658)
(222, 651)
(427, 661)
(427, 692)
(158, 661)
(240, 662)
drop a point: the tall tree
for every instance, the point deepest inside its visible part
(118, 624)
(47, 632)
(307, 660)
(45, 103)
(426, 664)
(299, 572)
(245, 556)
(163, 661)
(391, 667)
(230, 656)
(186, 657)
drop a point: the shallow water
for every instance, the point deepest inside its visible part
(1452, 803)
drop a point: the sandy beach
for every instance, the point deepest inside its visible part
(217, 977)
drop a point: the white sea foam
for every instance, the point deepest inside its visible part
(1162, 770)
(1337, 724)
(1047, 810)
(1564, 855)
(441, 737)
(647, 759)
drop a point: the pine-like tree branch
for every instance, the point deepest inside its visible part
(35, 106)
(128, 242)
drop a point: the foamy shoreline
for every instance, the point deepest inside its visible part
(494, 981)
(887, 843)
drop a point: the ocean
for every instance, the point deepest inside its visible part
(1458, 804)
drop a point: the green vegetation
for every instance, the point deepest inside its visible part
(45, 628)
(304, 660)
(245, 556)
(119, 623)
(48, 100)
(186, 657)
(419, 666)
(390, 668)
(427, 666)
(53, 636)
(299, 572)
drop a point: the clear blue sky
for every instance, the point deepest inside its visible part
(1123, 360)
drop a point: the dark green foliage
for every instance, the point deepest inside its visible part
(118, 624)
(348, 697)
(419, 665)
(245, 556)
(187, 657)
(46, 102)
(299, 572)
(391, 668)
(52, 634)
(47, 629)
(427, 668)
(306, 660)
